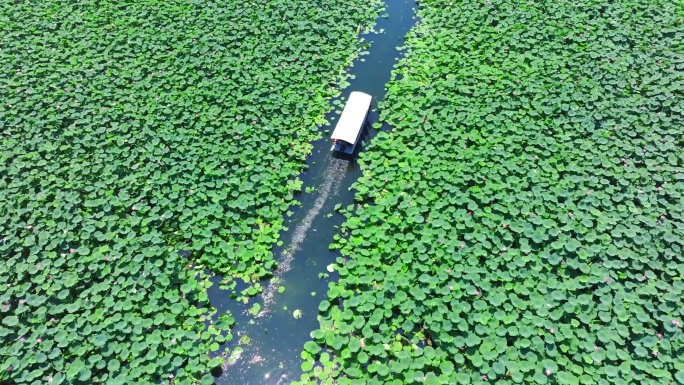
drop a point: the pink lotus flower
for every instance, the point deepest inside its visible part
(451, 288)
(596, 347)
(484, 377)
(659, 335)
(483, 178)
(551, 330)
(655, 353)
(504, 225)
(448, 270)
(462, 245)
(39, 340)
(548, 372)
(675, 322)
(22, 339)
(171, 376)
(607, 281)
(477, 292)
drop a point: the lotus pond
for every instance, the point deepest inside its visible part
(144, 145)
(523, 221)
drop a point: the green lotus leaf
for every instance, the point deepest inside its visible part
(113, 365)
(306, 366)
(679, 376)
(446, 368)
(207, 379)
(353, 372)
(472, 340)
(354, 344)
(382, 370)
(100, 340)
(176, 308)
(312, 347)
(74, 368)
(463, 378)
(323, 306)
(84, 374)
(10, 320)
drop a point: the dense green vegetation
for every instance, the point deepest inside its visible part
(132, 130)
(523, 221)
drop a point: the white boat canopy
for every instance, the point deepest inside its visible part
(352, 118)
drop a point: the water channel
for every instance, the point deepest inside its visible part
(272, 355)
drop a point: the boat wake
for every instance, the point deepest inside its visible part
(333, 178)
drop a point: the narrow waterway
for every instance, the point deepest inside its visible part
(276, 337)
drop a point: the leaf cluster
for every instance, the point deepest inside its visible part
(132, 130)
(523, 221)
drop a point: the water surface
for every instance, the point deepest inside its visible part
(276, 336)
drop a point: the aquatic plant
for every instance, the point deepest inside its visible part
(135, 130)
(522, 222)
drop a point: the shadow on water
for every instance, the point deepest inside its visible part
(276, 337)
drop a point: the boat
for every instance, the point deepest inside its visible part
(353, 121)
